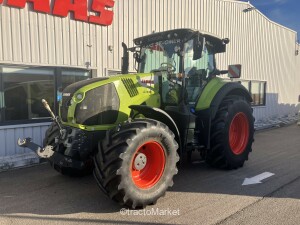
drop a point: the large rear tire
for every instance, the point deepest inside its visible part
(136, 162)
(232, 133)
(50, 135)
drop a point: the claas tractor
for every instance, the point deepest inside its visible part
(132, 128)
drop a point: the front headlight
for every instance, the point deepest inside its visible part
(79, 96)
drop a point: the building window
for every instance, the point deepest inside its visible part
(257, 90)
(67, 77)
(23, 88)
(70, 76)
(246, 84)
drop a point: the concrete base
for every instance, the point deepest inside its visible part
(14, 161)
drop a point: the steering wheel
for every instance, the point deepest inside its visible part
(168, 66)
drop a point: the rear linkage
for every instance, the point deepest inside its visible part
(47, 151)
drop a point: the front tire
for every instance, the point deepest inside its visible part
(232, 133)
(136, 162)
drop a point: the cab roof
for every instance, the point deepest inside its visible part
(216, 43)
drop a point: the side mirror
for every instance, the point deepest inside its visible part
(234, 71)
(198, 47)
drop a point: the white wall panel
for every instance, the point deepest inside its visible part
(296, 79)
(265, 49)
(25, 36)
(43, 38)
(93, 43)
(1, 32)
(66, 37)
(10, 154)
(6, 34)
(16, 34)
(50, 33)
(58, 47)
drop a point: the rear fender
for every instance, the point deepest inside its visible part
(207, 114)
(227, 90)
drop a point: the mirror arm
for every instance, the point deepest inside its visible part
(218, 72)
(223, 72)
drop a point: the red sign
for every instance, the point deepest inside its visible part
(234, 71)
(79, 8)
(106, 15)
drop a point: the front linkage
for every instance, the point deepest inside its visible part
(44, 153)
(57, 159)
(47, 151)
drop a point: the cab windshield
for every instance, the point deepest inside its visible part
(167, 54)
(177, 60)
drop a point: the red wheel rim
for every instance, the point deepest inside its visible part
(239, 133)
(147, 165)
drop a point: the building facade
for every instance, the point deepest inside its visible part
(43, 48)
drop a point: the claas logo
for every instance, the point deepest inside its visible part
(101, 8)
(147, 81)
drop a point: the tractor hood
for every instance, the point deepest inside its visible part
(100, 102)
(72, 88)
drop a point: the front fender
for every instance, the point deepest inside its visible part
(159, 115)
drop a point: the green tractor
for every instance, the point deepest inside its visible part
(131, 129)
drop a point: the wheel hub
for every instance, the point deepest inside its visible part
(140, 161)
(148, 164)
(239, 133)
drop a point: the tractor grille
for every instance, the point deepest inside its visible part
(100, 106)
(131, 88)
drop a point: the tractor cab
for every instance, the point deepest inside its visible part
(184, 59)
(182, 62)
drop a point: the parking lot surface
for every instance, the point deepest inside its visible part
(200, 195)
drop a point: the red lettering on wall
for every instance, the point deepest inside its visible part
(105, 16)
(102, 9)
(38, 5)
(79, 8)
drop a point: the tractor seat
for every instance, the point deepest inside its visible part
(193, 93)
(193, 86)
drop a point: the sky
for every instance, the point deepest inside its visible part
(284, 12)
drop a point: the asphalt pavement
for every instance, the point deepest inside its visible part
(200, 195)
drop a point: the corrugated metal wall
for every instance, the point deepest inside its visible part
(297, 75)
(10, 154)
(265, 49)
